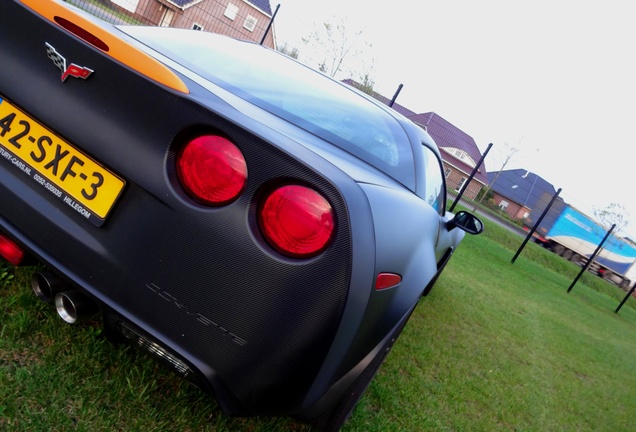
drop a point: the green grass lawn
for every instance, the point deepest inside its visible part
(494, 347)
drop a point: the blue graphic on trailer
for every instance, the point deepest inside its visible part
(576, 231)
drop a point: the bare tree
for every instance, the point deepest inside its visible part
(613, 214)
(335, 43)
(365, 77)
(289, 51)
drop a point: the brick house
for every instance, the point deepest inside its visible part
(241, 19)
(520, 193)
(460, 153)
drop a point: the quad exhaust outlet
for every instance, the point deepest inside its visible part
(71, 304)
(46, 285)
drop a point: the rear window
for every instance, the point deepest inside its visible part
(294, 92)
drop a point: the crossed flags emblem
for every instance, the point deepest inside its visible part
(60, 62)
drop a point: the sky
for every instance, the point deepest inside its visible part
(553, 79)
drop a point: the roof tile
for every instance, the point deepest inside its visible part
(523, 187)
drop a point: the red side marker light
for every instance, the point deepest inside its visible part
(10, 251)
(387, 280)
(297, 221)
(212, 170)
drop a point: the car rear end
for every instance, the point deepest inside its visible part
(95, 183)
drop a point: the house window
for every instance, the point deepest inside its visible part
(504, 204)
(166, 19)
(447, 172)
(196, 26)
(231, 11)
(460, 184)
(250, 23)
(461, 155)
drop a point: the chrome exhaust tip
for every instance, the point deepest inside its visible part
(71, 305)
(46, 285)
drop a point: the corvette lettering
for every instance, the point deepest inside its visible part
(200, 318)
(59, 61)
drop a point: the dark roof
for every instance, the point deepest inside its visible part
(523, 187)
(263, 5)
(184, 4)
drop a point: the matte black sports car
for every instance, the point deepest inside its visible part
(264, 230)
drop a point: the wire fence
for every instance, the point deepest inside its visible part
(247, 20)
(564, 227)
(252, 20)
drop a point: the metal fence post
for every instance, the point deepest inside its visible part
(592, 258)
(625, 299)
(397, 92)
(468, 180)
(269, 26)
(536, 225)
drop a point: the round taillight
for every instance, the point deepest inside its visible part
(297, 221)
(212, 170)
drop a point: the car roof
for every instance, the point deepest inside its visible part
(302, 96)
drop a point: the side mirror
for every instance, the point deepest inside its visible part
(467, 222)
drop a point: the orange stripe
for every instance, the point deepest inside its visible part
(119, 49)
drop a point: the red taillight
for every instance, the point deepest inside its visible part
(387, 280)
(212, 170)
(297, 221)
(10, 251)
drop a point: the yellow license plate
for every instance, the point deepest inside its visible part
(79, 181)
